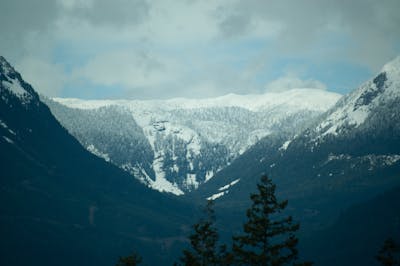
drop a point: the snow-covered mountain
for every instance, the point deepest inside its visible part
(354, 146)
(13, 87)
(178, 144)
(365, 102)
(345, 158)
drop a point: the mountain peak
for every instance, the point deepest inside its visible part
(12, 84)
(393, 65)
(5, 67)
(392, 72)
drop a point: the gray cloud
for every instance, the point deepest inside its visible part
(192, 47)
(114, 13)
(28, 25)
(18, 16)
(20, 19)
(290, 81)
(371, 27)
(234, 25)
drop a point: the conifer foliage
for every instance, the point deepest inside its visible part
(268, 237)
(132, 260)
(389, 255)
(204, 250)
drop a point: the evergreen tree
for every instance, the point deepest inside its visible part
(268, 237)
(389, 255)
(204, 250)
(132, 260)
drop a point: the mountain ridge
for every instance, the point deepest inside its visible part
(193, 139)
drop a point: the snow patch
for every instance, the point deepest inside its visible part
(285, 145)
(381, 160)
(218, 195)
(98, 153)
(161, 183)
(191, 181)
(209, 175)
(15, 87)
(229, 185)
(8, 140)
(3, 124)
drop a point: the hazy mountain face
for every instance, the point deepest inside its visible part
(61, 205)
(177, 145)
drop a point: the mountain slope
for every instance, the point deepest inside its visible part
(348, 156)
(361, 133)
(360, 232)
(61, 205)
(189, 140)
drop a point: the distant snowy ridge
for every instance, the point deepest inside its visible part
(310, 99)
(192, 139)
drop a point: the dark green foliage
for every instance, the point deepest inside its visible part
(204, 241)
(268, 237)
(131, 260)
(389, 255)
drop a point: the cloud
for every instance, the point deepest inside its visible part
(364, 31)
(47, 79)
(191, 47)
(290, 81)
(129, 69)
(114, 13)
(22, 20)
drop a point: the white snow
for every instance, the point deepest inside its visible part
(380, 160)
(15, 87)
(332, 157)
(192, 120)
(311, 99)
(8, 140)
(12, 84)
(191, 181)
(161, 183)
(234, 182)
(218, 195)
(4, 125)
(137, 172)
(235, 122)
(392, 69)
(209, 175)
(285, 145)
(353, 111)
(223, 190)
(98, 153)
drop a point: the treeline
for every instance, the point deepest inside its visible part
(268, 238)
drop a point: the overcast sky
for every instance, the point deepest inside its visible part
(143, 49)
